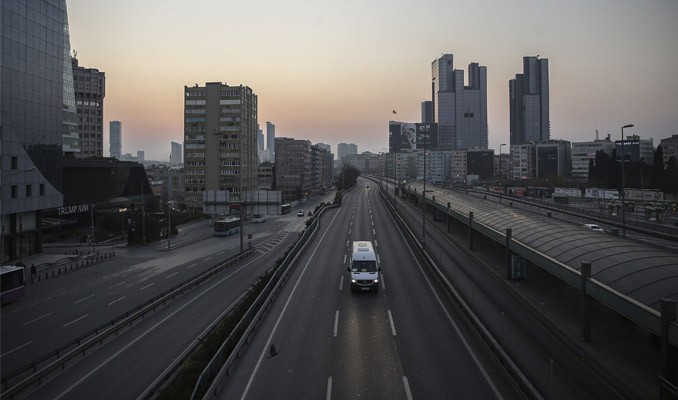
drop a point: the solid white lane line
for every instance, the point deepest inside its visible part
(16, 348)
(408, 393)
(456, 328)
(141, 336)
(81, 300)
(115, 301)
(329, 388)
(171, 275)
(264, 350)
(336, 322)
(147, 286)
(75, 320)
(341, 283)
(191, 266)
(117, 284)
(207, 259)
(390, 317)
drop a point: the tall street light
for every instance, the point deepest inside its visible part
(423, 195)
(623, 196)
(91, 214)
(501, 174)
(169, 223)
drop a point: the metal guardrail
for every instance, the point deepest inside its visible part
(641, 314)
(219, 369)
(486, 336)
(33, 373)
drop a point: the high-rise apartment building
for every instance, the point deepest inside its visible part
(175, 153)
(90, 90)
(38, 110)
(115, 139)
(220, 141)
(293, 168)
(460, 111)
(270, 141)
(529, 102)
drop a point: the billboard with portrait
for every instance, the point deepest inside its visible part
(408, 136)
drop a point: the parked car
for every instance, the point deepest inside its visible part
(594, 227)
(300, 213)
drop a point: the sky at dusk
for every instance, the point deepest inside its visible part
(333, 71)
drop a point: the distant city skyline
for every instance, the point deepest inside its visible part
(340, 69)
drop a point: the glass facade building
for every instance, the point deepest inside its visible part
(37, 109)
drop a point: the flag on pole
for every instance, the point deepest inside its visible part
(394, 112)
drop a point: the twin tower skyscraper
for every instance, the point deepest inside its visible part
(461, 110)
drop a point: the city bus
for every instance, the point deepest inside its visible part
(285, 208)
(11, 283)
(227, 226)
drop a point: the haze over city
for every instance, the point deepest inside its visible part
(333, 72)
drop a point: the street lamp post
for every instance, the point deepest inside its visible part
(501, 173)
(143, 214)
(91, 215)
(169, 223)
(423, 197)
(623, 196)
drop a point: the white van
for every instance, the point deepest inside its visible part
(364, 268)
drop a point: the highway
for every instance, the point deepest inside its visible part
(407, 341)
(404, 342)
(54, 312)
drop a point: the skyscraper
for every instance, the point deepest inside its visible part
(260, 144)
(175, 154)
(270, 141)
(460, 111)
(220, 141)
(115, 139)
(426, 112)
(38, 110)
(529, 102)
(90, 89)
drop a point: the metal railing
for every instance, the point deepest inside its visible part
(33, 373)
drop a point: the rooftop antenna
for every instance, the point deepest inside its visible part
(596, 134)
